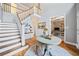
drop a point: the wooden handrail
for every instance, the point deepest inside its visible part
(26, 15)
(19, 19)
(29, 9)
(26, 10)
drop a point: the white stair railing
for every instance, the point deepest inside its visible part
(21, 28)
(24, 15)
(21, 16)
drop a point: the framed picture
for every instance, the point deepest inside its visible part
(41, 25)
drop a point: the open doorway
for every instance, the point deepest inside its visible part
(57, 26)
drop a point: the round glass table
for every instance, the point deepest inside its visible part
(54, 40)
(48, 42)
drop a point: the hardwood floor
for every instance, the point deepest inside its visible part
(21, 53)
(31, 42)
(70, 48)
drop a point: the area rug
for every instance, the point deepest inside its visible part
(58, 51)
(54, 50)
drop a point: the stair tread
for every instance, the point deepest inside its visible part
(2, 28)
(9, 47)
(9, 42)
(16, 51)
(9, 34)
(7, 23)
(9, 38)
(8, 26)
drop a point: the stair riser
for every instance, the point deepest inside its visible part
(10, 39)
(2, 36)
(8, 26)
(2, 32)
(8, 29)
(8, 51)
(6, 39)
(8, 45)
(9, 42)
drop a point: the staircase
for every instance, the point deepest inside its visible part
(11, 42)
(10, 39)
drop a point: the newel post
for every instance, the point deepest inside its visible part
(22, 35)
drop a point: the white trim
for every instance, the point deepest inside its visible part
(77, 46)
(72, 44)
(16, 51)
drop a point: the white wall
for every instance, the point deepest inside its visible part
(70, 26)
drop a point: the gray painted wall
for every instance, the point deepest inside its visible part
(77, 5)
(54, 9)
(78, 32)
(71, 26)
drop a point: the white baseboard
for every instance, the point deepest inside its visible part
(70, 43)
(77, 45)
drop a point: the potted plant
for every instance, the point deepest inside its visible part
(45, 31)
